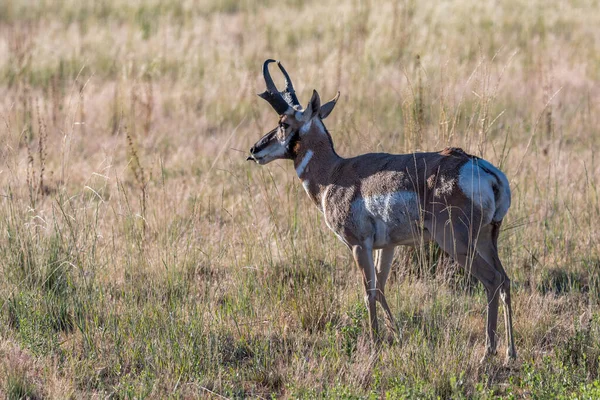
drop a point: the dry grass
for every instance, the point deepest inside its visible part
(142, 256)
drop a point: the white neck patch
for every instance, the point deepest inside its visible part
(306, 127)
(304, 163)
(317, 123)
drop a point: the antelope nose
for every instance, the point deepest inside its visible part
(252, 150)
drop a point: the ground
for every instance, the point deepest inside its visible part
(142, 256)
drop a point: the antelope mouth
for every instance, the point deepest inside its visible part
(255, 158)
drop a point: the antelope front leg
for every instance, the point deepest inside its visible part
(383, 262)
(363, 256)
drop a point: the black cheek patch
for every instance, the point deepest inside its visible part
(292, 148)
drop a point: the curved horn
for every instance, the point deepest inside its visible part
(267, 75)
(272, 95)
(289, 94)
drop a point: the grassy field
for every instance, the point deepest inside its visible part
(141, 256)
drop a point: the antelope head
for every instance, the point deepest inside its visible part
(294, 121)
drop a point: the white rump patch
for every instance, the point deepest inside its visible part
(504, 198)
(303, 164)
(478, 185)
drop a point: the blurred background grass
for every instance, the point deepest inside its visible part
(142, 257)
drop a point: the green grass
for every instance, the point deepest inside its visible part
(142, 257)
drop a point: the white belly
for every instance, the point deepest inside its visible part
(388, 218)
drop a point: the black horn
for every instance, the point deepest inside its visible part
(289, 94)
(280, 101)
(267, 75)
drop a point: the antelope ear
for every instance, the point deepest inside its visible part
(313, 107)
(327, 108)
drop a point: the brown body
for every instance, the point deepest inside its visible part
(420, 180)
(374, 202)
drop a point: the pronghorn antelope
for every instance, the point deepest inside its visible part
(374, 202)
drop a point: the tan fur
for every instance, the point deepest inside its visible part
(374, 202)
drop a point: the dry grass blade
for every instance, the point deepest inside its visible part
(143, 257)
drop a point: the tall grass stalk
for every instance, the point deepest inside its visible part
(142, 257)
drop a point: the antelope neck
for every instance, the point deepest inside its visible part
(313, 159)
(314, 162)
(304, 163)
